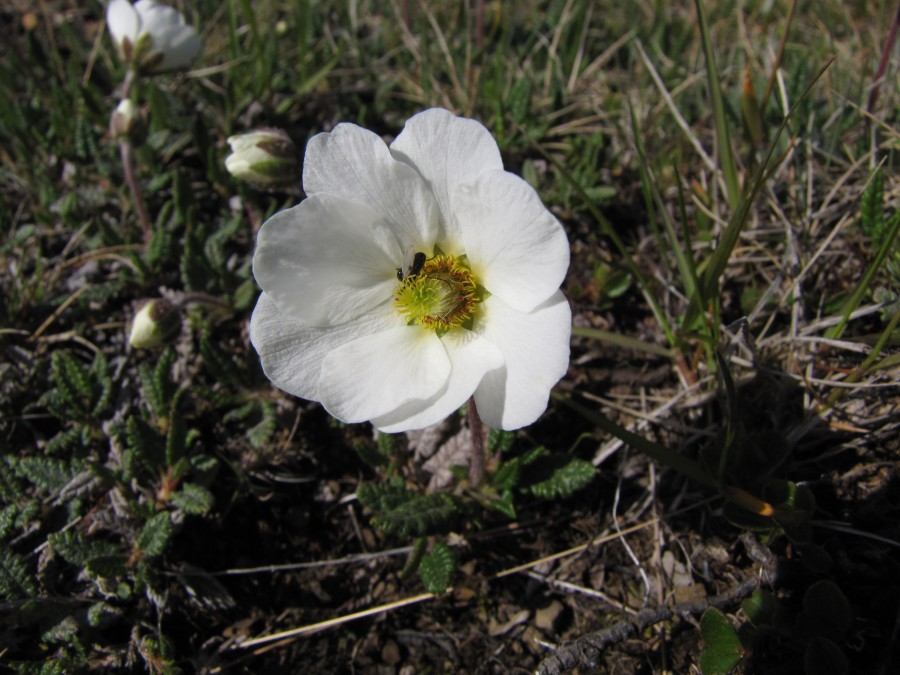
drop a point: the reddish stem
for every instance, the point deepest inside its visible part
(125, 150)
(882, 63)
(476, 460)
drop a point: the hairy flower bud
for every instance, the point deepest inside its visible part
(127, 122)
(154, 324)
(264, 158)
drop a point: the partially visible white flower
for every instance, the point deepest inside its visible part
(411, 278)
(266, 158)
(152, 38)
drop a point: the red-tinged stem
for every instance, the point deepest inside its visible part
(125, 150)
(883, 62)
(479, 24)
(476, 460)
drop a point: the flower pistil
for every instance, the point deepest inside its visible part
(443, 294)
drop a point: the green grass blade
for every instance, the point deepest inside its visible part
(666, 456)
(623, 341)
(683, 258)
(723, 138)
(714, 266)
(893, 226)
(608, 230)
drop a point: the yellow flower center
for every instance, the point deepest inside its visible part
(441, 295)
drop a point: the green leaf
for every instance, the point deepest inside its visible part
(68, 439)
(221, 366)
(508, 474)
(245, 295)
(71, 383)
(871, 207)
(723, 647)
(76, 549)
(240, 413)
(826, 612)
(761, 608)
(106, 567)
(158, 386)
(564, 476)
(16, 581)
(260, 433)
(415, 557)
(499, 441)
(100, 373)
(437, 568)
(144, 441)
(193, 499)
(64, 632)
(100, 612)
(387, 446)
(505, 504)
(8, 515)
(420, 515)
(519, 100)
(10, 489)
(823, 657)
(47, 474)
(155, 536)
(176, 438)
(381, 498)
(369, 453)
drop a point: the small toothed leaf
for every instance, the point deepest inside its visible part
(437, 568)
(561, 477)
(155, 536)
(193, 499)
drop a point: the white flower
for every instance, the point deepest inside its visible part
(412, 277)
(266, 158)
(152, 38)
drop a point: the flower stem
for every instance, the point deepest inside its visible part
(126, 153)
(476, 459)
(125, 150)
(202, 299)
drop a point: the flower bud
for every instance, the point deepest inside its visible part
(127, 123)
(155, 323)
(264, 158)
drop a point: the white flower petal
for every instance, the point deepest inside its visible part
(355, 164)
(181, 49)
(123, 21)
(471, 357)
(157, 19)
(292, 352)
(514, 244)
(535, 348)
(380, 371)
(327, 260)
(447, 150)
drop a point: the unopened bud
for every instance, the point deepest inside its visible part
(155, 323)
(264, 158)
(126, 122)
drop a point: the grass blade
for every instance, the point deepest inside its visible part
(723, 138)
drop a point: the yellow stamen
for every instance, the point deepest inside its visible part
(442, 295)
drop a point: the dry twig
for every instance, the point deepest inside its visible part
(587, 651)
